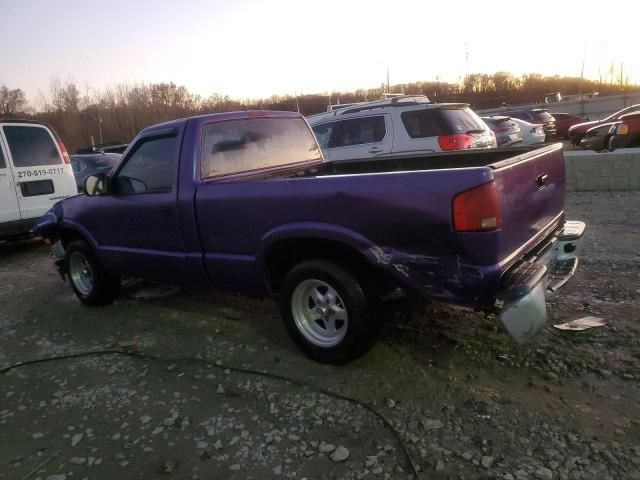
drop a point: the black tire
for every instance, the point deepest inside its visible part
(103, 288)
(361, 302)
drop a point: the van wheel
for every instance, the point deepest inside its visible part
(89, 280)
(331, 313)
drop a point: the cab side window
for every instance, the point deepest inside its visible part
(3, 164)
(323, 133)
(357, 131)
(150, 168)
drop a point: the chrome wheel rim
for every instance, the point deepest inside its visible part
(319, 313)
(81, 273)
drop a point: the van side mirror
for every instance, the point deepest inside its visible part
(96, 184)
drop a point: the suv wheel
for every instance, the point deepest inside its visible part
(330, 312)
(89, 280)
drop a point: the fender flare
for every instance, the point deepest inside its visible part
(313, 231)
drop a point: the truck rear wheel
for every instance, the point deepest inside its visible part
(89, 280)
(331, 313)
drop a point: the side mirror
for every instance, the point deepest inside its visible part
(96, 184)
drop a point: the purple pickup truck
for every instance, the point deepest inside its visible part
(244, 201)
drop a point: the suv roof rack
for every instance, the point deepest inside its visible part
(338, 106)
(22, 120)
(398, 100)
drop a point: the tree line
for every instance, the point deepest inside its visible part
(117, 113)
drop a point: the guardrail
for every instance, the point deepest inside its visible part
(617, 170)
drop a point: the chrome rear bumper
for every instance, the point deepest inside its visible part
(522, 304)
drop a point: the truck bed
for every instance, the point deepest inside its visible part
(397, 209)
(494, 158)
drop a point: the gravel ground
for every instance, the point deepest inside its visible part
(464, 400)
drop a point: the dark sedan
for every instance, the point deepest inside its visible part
(507, 131)
(90, 164)
(597, 138)
(627, 134)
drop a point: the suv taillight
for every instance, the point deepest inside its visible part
(458, 141)
(63, 150)
(622, 129)
(477, 210)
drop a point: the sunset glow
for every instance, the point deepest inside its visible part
(250, 49)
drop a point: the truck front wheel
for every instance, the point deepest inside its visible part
(331, 313)
(89, 280)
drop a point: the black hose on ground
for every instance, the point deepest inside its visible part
(276, 376)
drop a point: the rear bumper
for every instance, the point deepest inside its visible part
(521, 303)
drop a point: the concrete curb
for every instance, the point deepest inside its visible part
(588, 170)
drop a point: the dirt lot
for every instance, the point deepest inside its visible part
(465, 401)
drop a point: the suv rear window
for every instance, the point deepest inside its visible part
(434, 122)
(31, 146)
(251, 144)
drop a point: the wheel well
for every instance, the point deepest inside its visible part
(68, 235)
(283, 256)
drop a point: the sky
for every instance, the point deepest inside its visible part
(255, 49)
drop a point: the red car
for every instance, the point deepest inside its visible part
(566, 120)
(577, 131)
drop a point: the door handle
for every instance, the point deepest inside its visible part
(541, 180)
(375, 150)
(167, 211)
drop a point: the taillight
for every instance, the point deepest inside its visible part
(623, 129)
(63, 150)
(477, 210)
(458, 141)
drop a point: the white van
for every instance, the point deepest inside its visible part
(35, 172)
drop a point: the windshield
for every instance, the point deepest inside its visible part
(624, 111)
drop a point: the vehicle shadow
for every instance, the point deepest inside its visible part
(19, 247)
(427, 331)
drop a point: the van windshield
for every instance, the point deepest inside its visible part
(31, 146)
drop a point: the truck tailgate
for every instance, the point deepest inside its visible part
(531, 188)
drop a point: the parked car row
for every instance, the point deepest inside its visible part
(412, 124)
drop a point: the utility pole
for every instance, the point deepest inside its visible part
(584, 58)
(466, 63)
(388, 86)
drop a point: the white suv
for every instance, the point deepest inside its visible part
(406, 124)
(35, 173)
